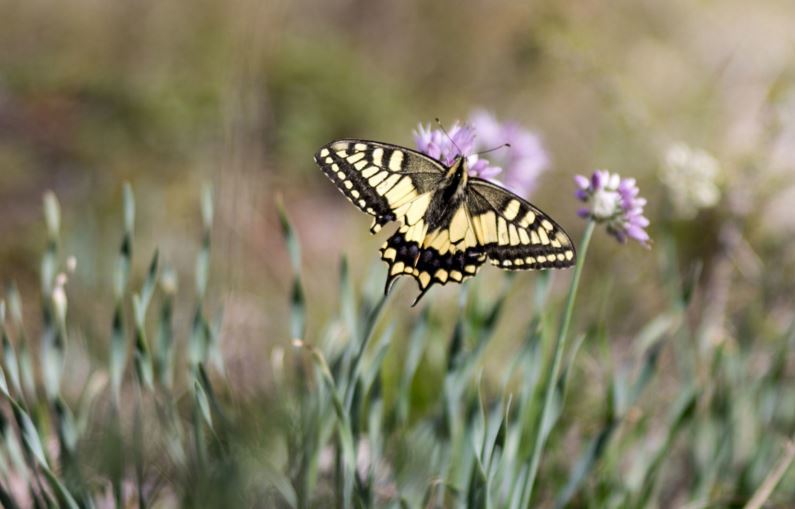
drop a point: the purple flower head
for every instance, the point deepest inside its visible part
(524, 160)
(615, 202)
(445, 148)
(437, 144)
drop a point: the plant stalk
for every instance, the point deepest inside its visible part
(560, 346)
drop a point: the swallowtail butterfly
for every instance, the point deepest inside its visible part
(450, 223)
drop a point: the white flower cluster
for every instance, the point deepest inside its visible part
(691, 177)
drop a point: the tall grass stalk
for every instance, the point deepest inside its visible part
(544, 424)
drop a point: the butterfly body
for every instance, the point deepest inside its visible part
(449, 222)
(448, 197)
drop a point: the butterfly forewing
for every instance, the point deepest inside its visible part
(383, 180)
(515, 234)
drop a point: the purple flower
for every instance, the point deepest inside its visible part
(459, 140)
(524, 160)
(615, 202)
(437, 144)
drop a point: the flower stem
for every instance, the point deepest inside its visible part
(560, 345)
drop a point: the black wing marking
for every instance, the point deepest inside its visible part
(406, 255)
(383, 180)
(515, 234)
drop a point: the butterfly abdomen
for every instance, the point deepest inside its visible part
(448, 198)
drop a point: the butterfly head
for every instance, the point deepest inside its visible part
(458, 173)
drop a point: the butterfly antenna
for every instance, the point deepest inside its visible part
(504, 145)
(439, 123)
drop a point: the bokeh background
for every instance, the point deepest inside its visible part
(240, 94)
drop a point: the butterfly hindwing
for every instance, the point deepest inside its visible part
(416, 254)
(515, 234)
(383, 180)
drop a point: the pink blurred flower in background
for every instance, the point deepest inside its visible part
(524, 161)
(518, 165)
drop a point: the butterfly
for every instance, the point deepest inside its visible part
(449, 223)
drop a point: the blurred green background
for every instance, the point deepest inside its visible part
(240, 94)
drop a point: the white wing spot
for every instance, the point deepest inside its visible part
(511, 210)
(377, 155)
(543, 234)
(396, 160)
(528, 219)
(355, 157)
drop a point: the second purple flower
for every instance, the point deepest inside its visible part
(615, 202)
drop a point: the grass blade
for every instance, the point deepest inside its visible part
(343, 423)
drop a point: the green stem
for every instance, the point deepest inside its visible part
(367, 333)
(560, 345)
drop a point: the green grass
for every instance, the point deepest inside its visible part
(157, 425)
